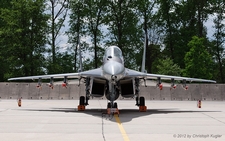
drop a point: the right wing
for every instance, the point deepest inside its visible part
(91, 73)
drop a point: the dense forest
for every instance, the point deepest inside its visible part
(183, 37)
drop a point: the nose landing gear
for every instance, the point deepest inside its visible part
(112, 108)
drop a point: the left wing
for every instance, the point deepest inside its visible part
(169, 77)
(133, 73)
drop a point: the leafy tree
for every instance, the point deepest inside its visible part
(219, 40)
(4, 65)
(123, 28)
(95, 10)
(77, 27)
(167, 67)
(174, 19)
(151, 28)
(182, 20)
(198, 62)
(203, 9)
(64, 63)
(24, 37)
(153, 54)
(58, 11)
(167, 17)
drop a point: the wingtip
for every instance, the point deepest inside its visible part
(10, 79)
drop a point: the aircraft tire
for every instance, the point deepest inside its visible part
(109, 105)
(82, 100)
(142, 101)
(115, 105)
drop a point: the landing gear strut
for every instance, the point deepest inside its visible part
(140, 101)
(87, 84)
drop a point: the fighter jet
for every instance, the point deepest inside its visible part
(112, 79)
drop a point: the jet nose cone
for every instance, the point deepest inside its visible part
(113, 68)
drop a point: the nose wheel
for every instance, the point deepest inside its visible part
(112, 108)
(110, 105)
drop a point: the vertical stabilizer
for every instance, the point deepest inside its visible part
(80, 57)
(144, 55)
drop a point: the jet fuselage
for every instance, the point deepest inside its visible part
(113, 64)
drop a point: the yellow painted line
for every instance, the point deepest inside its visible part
(123, 132)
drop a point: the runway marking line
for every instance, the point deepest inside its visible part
(123, 132)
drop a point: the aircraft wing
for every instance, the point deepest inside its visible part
(91, 73)
(169, 77)
(133, 73)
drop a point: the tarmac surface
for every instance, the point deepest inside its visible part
(59, 120)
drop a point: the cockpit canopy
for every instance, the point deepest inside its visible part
(113, 52)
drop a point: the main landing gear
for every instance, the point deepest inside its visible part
(82, 103)
(141, 103)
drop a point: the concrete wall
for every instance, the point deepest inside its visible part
(209, 92)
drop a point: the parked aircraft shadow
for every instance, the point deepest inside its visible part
(126, 115)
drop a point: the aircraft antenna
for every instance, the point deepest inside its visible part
(144, 55)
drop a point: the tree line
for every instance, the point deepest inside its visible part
(179, 41)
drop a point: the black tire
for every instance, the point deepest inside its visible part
(142, 101)
(109, 105)
(115, 105)
(82, 100)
